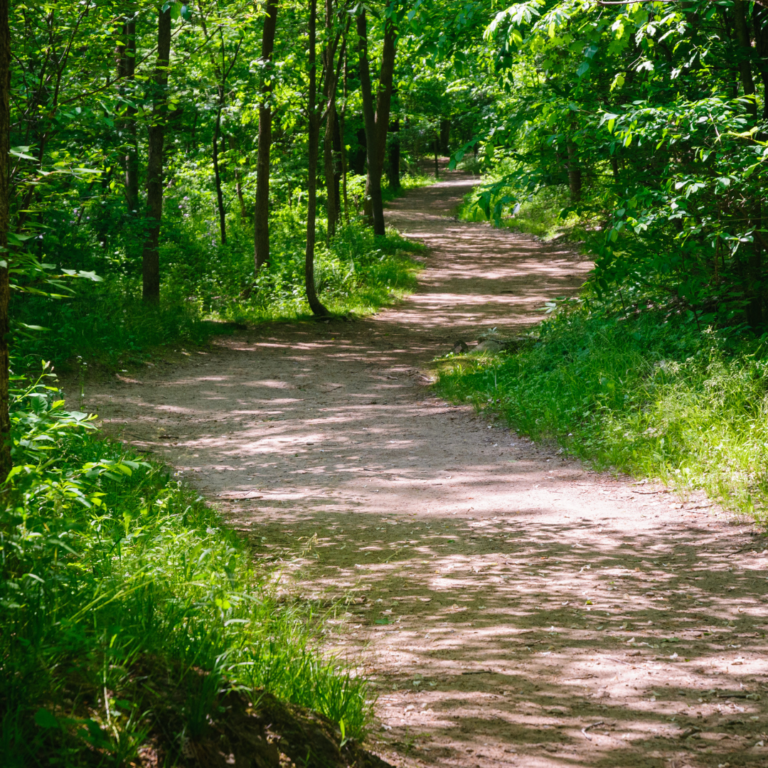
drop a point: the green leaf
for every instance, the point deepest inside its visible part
(46, 719)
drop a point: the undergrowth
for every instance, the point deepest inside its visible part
(109, 567)
(643, 394)
(545, 214)
(205, 283)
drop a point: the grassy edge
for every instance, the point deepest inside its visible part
(644, 398)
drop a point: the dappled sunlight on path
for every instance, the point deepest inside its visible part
(512, 607)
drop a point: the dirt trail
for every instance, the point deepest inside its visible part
(513, 607)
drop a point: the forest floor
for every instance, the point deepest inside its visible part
(512, 606)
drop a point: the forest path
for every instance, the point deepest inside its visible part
(514, 608)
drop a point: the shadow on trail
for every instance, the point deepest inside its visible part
(513, 607)
(632, 641)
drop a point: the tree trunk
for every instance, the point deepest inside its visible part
(217, 171)
(5, 293)
(329, 164)
(126, 70)
(759, 24)
(261, 209)
(314, 146)
(574, 173)
(393, 168)
(342, 145)
(383, 107)
(330, 171)
(445, 137)
(337, 165)
(744, 53)
(156, 145)
(374, 166)
(238, 178)
(384, 98)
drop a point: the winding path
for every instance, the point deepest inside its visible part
(513, 608)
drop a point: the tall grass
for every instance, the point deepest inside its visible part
(648, 396)
(115, 579)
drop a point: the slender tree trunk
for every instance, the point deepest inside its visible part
(217, 171)
(314, 146)
(342, 144)
(615, 168)
(759, 24)
(156, 146)
(445, 137)
(374, 166)
(741, 30)
(126, 70)
(383, 106)
(574, 173)
(384, 97)
(332, 204)
(238, 178)
(337, 166)
(5, 293)
(437, 167)
(393, 169)
(261, 210)
(343, 153)
(330, 172)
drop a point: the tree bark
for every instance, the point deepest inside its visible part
(261, 209)
(5, 293)
(314, 146)
(156, 146)
(126, 70)
(374, 166)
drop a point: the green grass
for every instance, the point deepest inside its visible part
(647, 395)
(110, 570)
